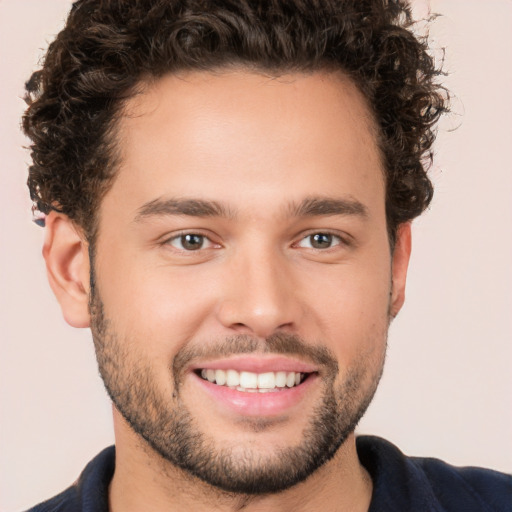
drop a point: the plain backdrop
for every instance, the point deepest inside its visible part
(447, 387)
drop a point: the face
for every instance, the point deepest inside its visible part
(243, 275)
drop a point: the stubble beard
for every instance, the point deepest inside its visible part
(170, 430)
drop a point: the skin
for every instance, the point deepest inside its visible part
(256, 145)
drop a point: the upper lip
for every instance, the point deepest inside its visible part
(256, 364)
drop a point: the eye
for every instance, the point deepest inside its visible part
(320, 241)
(190, 242)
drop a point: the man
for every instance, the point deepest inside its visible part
(228, 191)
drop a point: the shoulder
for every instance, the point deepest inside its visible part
(491, 490)
(414, 483)
(63, 502)
(89, 493)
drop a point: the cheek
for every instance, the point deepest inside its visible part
(152, 304)
(352, 310)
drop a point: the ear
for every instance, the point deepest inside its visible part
(67, 263)
(400, 263)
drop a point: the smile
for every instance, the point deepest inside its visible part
(256, 385)
(253, 382)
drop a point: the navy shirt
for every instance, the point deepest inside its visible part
(400, 484)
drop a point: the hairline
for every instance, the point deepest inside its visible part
(328, 67)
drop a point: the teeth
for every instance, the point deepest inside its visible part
(267, 380)
(253, 382)
(280, 379)
(233, 378)
(248, 380)
(220, 377)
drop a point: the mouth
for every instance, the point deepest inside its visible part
(251, 382)
(255, 385)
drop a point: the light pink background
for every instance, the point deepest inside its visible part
(447, 387)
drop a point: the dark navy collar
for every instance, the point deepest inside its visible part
(400, 484)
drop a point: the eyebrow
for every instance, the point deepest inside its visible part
(318, 206)
(177, 206)
(308, 207)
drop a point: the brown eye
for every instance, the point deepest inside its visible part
(192, 242)
(188, 242)
(320, 240)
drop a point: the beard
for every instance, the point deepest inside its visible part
(168, 427)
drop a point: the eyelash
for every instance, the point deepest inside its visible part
(181, 236)
(340, 241)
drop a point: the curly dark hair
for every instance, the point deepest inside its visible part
(109, 46)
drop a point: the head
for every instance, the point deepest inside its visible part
(107, 51)
(229, 186)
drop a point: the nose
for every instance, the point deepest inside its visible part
(259, 296)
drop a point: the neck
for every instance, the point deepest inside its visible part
(144, 481)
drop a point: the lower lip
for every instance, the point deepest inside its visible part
(272, 403)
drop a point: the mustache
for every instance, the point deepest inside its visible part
(278, 343)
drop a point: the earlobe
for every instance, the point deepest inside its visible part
(65, 251)
(400, 263)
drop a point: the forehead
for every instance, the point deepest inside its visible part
(215, 135)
